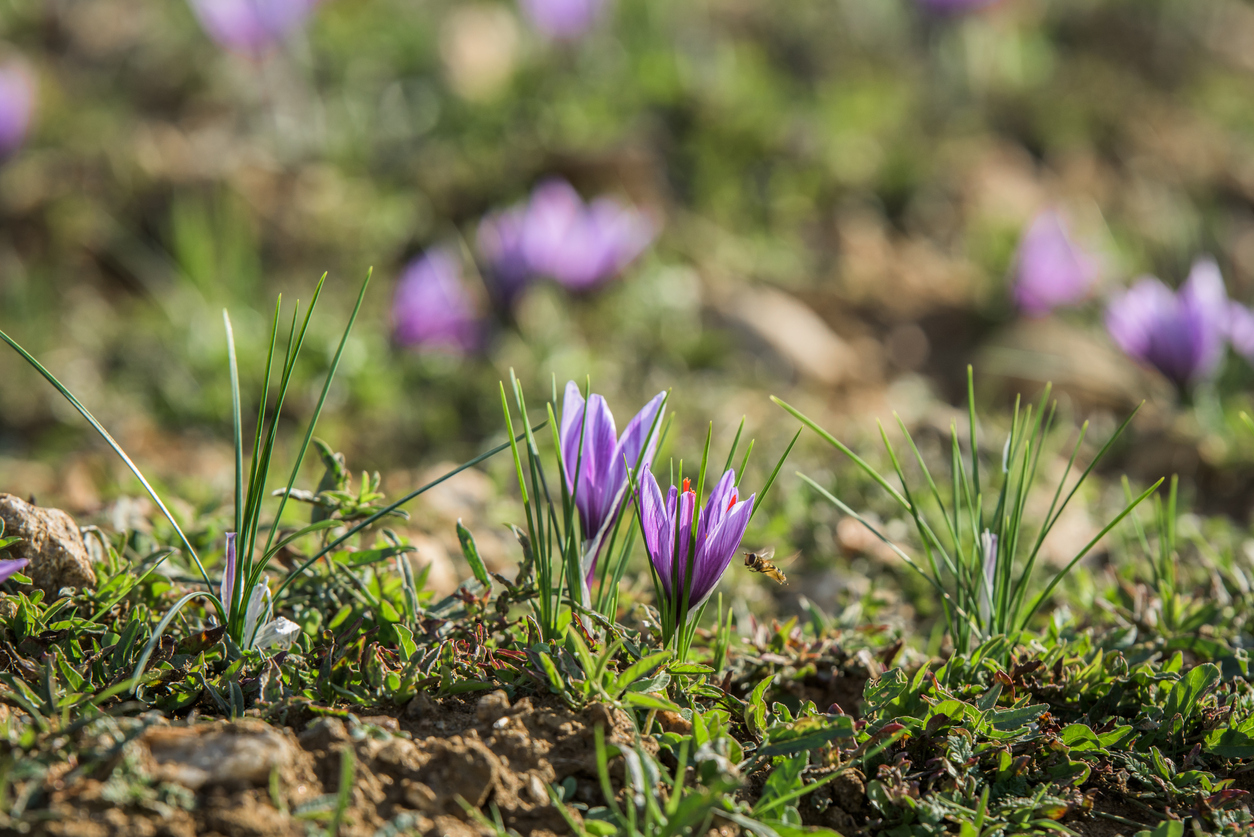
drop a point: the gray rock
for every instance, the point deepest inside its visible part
(51, 542)
(233, 754)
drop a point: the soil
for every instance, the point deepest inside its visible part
(410, 773)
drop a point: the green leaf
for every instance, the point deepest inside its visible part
(1014, 719)
(639, 669)
(1080, 738)
(805, 734)
(1185, 695)
(755, 710)
(471, 553)
(644, 700)
(1167, 828)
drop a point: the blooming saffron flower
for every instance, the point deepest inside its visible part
(595, 461)
(432, 307)
(10, 566)
(556, 234)
(1051, 270)
(17, 104)
(1241, 330)
(563, 20)
(262, 632)
(251, 26)
(720, 528)
(1181, 334)
(948, 7)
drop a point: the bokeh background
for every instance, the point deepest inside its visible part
(828, 197)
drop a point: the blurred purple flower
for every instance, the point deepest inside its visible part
(432, 308)
(10, 566)
(500, 243)
(720, 528)
(597, 468)
(1241, 330)
(556, 234)
(948, 7)
(563, 20)
(1051, 270)
(251, 26)
(17, 104)
(1181, 334)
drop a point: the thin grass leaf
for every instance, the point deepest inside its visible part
(770, 481)
(111, 442)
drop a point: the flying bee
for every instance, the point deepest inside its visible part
(760, 562)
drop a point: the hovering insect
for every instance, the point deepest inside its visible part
(760, 562)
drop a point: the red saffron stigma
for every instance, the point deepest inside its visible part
(733, 501)
(687, 486)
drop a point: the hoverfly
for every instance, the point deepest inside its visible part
(760, 562)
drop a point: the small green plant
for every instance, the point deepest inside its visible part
(971, 551)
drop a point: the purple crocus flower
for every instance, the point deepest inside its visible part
(9, 566)
(952, 7)
(1241, 330)
(1051, 270)
(595, 460)
(17, 104)
(500, 243)
(720, 528)
(563, 20)
(432, 308)
(251, 26)
(556, 234)
(1180, 334)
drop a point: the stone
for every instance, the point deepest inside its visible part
(235, 754)
(51, 542)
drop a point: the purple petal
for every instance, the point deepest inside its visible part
(715, 553)
(9, 566)
(17, 104)
(1241, 330)
(1205, 303)
(551, 216)
(1052, 271)
(432, 308)
(563, 20)
(251, 26)
(687, 504)
(500, 242)
(572, 421)
(719, 505)
(628, 453)
(954, 6)
(656, 523)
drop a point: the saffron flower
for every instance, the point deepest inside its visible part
(251, 26)
(950, 7)
(1181, 334)
(10, 566)
(432, 307)
(563, 20)
(260, 630)
(17, 104)
(721, 525)
(595, 460)
(1051, 270)
(1241, 330)
(556, 234)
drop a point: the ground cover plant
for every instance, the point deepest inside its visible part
(562, 701)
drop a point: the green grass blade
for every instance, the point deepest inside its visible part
(775, 473)
(843, 448)
(322, 399)
(237, 423)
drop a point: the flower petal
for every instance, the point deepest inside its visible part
(280, 633)
(655, 521)
(715, 554)
(228, 573)
(258, 611)
(9, 566)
